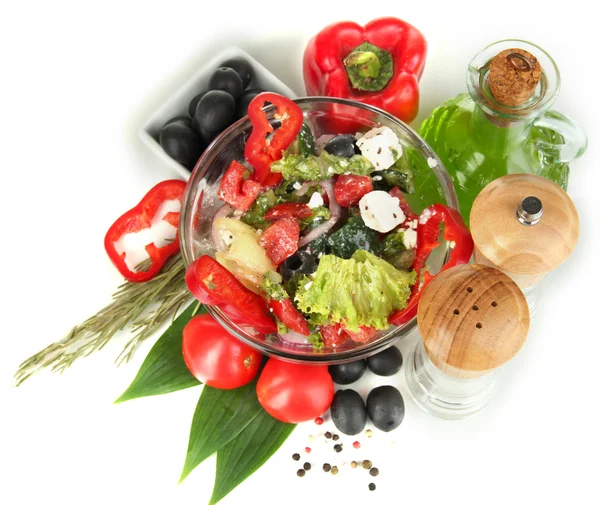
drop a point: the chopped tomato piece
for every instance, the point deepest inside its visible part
(349, 189)
(236, 191)
(333, 334)
(280, 240)
(292, 209)
(364, 333)
(290, 316)
(410, 215)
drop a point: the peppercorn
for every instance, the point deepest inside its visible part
(366, 464)
(369, 433)
(307, 466)
(337, 448)
(300, 473)
(354, 464)
(335, 437)
(326, 467)
(356, 444)
(319, 421)
(334, 470)
(307, 449)
(373, 471)
(372, 487)
(328, 434)
(296, 456)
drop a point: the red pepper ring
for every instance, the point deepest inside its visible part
(428, 232)
(140, 218)
(212, 284)
(261, 151)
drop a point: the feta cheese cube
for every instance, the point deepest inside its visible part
(380, 211)
(381, 147)
(409, 237)
(316, 200)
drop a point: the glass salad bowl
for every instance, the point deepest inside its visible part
(325, 116)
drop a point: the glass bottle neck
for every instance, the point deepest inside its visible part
(497, 136)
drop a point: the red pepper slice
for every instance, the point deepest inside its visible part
(280, 240)
(140, 218)
(428, 232)
(333, 334)
(212, 284)
(338, 50)
(290, 316)
(292, 209)
(236, 191)
(349, 189)
(260, 151)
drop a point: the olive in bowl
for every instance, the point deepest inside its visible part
(181, 142)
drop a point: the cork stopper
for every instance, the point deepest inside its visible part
(514, 75)
(472, 319)
(524, 225)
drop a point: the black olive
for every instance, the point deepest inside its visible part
(194, 103)
(226, 79)
(207, 135)
(342, 145)
(385, 406)
(301, 262)
(243, 69)
(215, 111)
(182, 143)
(180, 119)
(348, 412)
(244, 101)
(386, 363)
(347, 373)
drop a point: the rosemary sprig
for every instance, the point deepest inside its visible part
(130, 307)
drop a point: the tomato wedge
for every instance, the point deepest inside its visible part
(213, 284)
(290, 316)
(292, 209)
(349, 189)
(280, 240)
(333, 334)
(236, 191)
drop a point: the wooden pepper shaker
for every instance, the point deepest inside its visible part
(472, 319)
(525, 225)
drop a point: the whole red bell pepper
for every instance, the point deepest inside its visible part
(143, 216)
(379, 64)
(260, 150)
(428, 233)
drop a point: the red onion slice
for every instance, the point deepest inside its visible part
(302, 190)
(217, 241)
(335, 211)
(293, 338)
(321, 141)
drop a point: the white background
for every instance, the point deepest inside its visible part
(76, 81)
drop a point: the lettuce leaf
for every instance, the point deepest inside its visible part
(362, 290)
(318, 168)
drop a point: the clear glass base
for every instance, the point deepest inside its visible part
(441, 395)
(532, 295)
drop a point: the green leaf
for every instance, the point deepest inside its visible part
(221, 414)
(164, 370)
(245, 454)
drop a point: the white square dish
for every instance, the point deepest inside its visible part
(178, 102)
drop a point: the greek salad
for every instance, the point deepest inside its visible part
(315, 240)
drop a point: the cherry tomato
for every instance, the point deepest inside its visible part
(294, 392)
(216, 357)
(349, 189)
(280, 240)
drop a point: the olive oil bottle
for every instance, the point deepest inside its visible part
(504, 125)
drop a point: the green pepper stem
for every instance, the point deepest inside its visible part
(366, 63)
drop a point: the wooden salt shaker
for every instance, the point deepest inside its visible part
(472, 319)
(526, 226)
